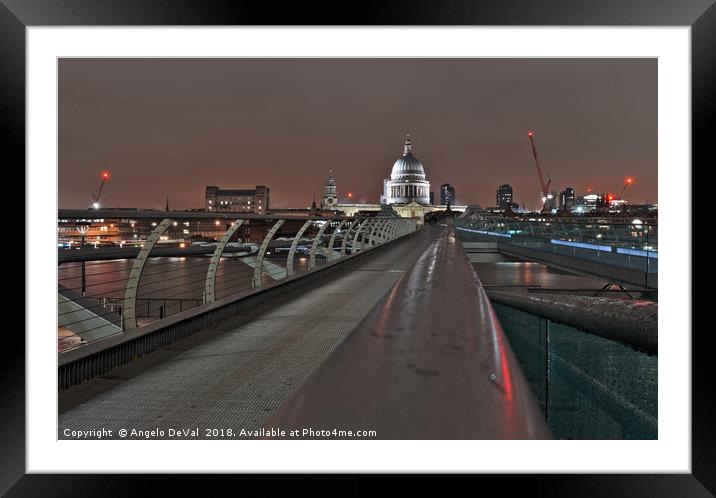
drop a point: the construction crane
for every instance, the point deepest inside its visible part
(95, 197)
(545, 195)
(627, 183)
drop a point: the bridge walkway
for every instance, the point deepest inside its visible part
(238, 378)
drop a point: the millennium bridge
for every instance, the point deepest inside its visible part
(470, 327)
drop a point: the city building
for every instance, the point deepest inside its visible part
(551, 201)
(237, 200)
(590, 203)
(447, 194)
(504, 196)
(566, 198)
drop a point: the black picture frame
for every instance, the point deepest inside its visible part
(16, 15)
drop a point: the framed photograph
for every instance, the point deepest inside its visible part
(421, 239)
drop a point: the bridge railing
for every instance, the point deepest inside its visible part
(632, 245)
(162, 276)
(431, 361)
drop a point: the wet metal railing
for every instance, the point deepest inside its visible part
(429, 362)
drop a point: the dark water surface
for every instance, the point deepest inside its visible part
(168, 278)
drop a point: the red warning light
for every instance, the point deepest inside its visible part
(611, 197)
(529, 134)
(629, 180)
(105, 175)
(350, 194)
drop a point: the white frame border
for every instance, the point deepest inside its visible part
(670, 453)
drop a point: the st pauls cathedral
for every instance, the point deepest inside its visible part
(407, 191)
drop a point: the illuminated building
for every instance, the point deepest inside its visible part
(407, 192)
(407, 182)
(566, 198)
(237, 201)
(504, 196)
(447, 194)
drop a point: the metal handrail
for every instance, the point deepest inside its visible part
(429, 362)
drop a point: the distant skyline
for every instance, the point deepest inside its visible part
(170, 127)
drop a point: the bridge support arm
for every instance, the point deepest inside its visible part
(378, 226)
(129, 316)
(317, 241)
(361, 229)
(346, 236)
(210, 284)
(258, 269)
(387, 233)
(294, 245)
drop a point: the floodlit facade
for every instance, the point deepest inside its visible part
(407, 192)
(407, 182)
(237, 200)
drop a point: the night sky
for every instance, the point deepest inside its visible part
(169, 127)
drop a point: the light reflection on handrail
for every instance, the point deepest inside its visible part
(430, 362)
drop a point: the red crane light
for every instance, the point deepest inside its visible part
(104, 175)
(529, 134)
(627, 181)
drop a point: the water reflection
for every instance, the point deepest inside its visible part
(168, 285)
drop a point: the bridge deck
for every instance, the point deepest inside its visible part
(237, 379)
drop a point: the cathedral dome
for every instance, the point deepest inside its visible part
(407, 180)
(407, 165)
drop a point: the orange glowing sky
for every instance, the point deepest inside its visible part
(169, 127)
